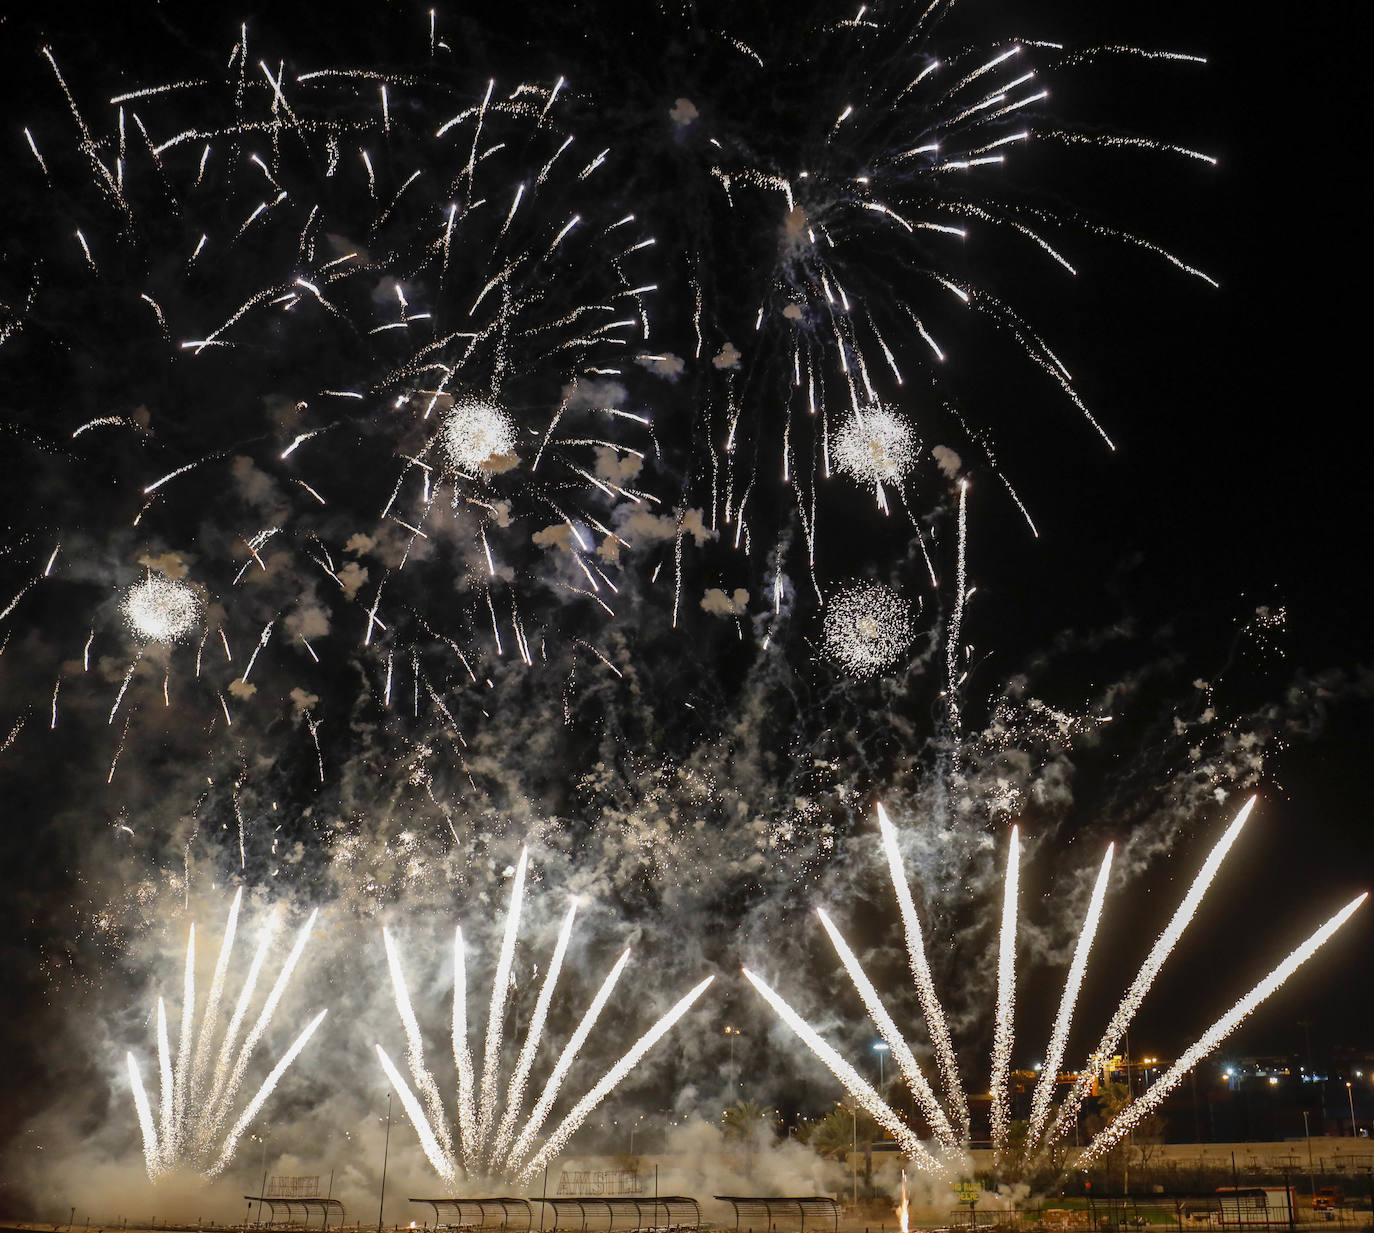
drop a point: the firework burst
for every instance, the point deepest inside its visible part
(945, 1158)
(422, 303)
(492, 1141)
(194, 1127)
(884, 243)
(867, 627)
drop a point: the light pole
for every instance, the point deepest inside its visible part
(1307, 1134)
(854, 1156)
(881, 1050)
(1350, 1096)
(733, 1032)
(386, 1151)
(262, 1189)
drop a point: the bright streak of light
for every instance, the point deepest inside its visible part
(1054, 1057)
(607, 1083)
(1129, 1117)
(1006, 1003)
(931, 1009)
(1149, 969)
(847, 1075)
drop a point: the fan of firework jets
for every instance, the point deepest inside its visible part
(332, 360)
(198, 1090)
(943, 1154)
(859, 227)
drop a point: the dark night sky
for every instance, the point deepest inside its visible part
(1240, 477)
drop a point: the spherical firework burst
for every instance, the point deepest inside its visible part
(477, 436)
(162, 609)
(867, 627)
(876, 446)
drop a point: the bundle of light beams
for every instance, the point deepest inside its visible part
(942, 1153)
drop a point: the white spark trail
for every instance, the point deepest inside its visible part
(168, 1085)
(901, 1051)
(269, 1007)
(1006, 1004)
(189, 1114)
(1219, 1031)
(554, 1144)
(497, 1012)
(462, 1055)
(484, 1145)
(151, 1152)
(440, 1162)
(415, 1057)
(210, 1019)
(952, 639)
(1044, 1089)
(848, 1076)
(231, 1033)
(931, 1009)
(1140, 986)
(554, 1084)
(516, 1092)
(247, 1116)
(183, 1070)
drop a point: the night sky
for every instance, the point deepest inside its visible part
(706, 799)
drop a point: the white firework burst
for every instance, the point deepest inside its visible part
(160, 609)
(876, 446)
(476, 434)
(867, 628)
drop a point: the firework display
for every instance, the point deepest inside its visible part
(867, 628)
(197, 1093)
(423, 307)
(486, 1147)
(530, 466)
(948, 1158)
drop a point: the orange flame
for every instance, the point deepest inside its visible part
(903, 1213)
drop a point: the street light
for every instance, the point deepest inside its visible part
(386, 1151)
(1350, 1096)
(262, 1190)
(732, 1032)
(881, 1050)
(1307, 1134)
